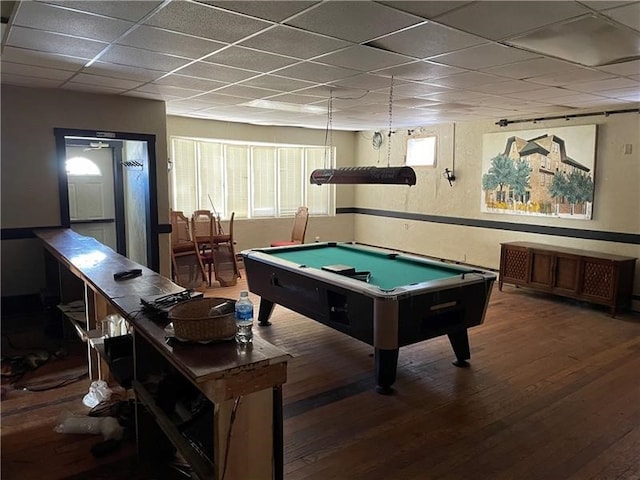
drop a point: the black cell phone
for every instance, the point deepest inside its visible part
(126, 274)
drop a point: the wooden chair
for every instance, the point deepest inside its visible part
(298, 231)
(187, 268)
(226, 267)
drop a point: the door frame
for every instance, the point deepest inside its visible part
(150, 179)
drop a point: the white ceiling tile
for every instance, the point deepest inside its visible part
(83, 87)
(428, 9)
(540, 94)
(505, 88)
(207, 22)
(625, 68)
(26, 81)
(250, 59)
(631, 94)
(567, 77)
(467, 79)
(275, 82)
(336, 19)
(123, 71)
(417, 89)
(162, 90)
(124, 9)
(276, 11)
(54, 19)
(193, 83)
(316, 72)
(367, 82)
(499, 19)
(363, 58)
(530, 68)
(484, 57)
(248, 92)
(37, 72)
(221, 99)
(426, 40)
(53, 42)
(297, 99)
(164, 41)
(40, 59)
(602, 102)
(293, 42)
(136, 57)
(628, 15)
(420, 70)
(212, 71)
(603, 85)
(97, 80)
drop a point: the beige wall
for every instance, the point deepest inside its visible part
(616, 206)
(29, 165)
(260, 232)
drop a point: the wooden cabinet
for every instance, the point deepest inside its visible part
(590, 276)
(237, 391)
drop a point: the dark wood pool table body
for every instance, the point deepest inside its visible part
(386, 319)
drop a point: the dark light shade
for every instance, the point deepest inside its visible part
(381, 175)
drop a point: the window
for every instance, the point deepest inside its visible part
(421, 151)
(254, 180)
(82, 166)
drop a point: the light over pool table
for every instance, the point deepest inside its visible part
(406, 300)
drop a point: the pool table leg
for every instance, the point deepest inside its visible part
(460, 344)
(266, 309)
(386, 365)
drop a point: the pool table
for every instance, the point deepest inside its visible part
(405, 300)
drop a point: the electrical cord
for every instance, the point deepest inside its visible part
(231, 422)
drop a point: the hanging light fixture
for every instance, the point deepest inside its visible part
(364, 175)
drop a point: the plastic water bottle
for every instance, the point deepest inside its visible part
(244, 319)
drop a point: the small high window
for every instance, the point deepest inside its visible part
(421, 152)
(82, 166)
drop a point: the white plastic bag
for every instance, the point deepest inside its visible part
(99, 391)
(108, 427)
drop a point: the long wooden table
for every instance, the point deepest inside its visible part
(243, 386)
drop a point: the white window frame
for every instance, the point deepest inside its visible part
(319, 205)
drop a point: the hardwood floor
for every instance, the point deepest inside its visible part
(552, 394)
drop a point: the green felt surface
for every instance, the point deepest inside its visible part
(386, 273)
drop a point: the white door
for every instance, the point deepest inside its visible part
(91, 193)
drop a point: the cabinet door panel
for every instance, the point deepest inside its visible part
(598, 279)
(541, 269)
(567, 273)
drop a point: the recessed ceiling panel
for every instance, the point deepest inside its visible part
(588, 41)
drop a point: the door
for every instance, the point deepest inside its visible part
(91, 188)
(115, 200)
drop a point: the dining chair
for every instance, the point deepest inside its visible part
(187, 267)
(298, 231)
(225, 261)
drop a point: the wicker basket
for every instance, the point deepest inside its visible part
(191, 321)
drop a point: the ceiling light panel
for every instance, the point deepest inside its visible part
(498, 19)
(589, 41)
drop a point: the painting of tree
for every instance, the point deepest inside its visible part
(540, 172)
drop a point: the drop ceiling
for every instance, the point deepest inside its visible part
(399, 63)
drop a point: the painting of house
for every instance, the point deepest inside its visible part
(540, 173)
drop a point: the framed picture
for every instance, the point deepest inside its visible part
(544, 172)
